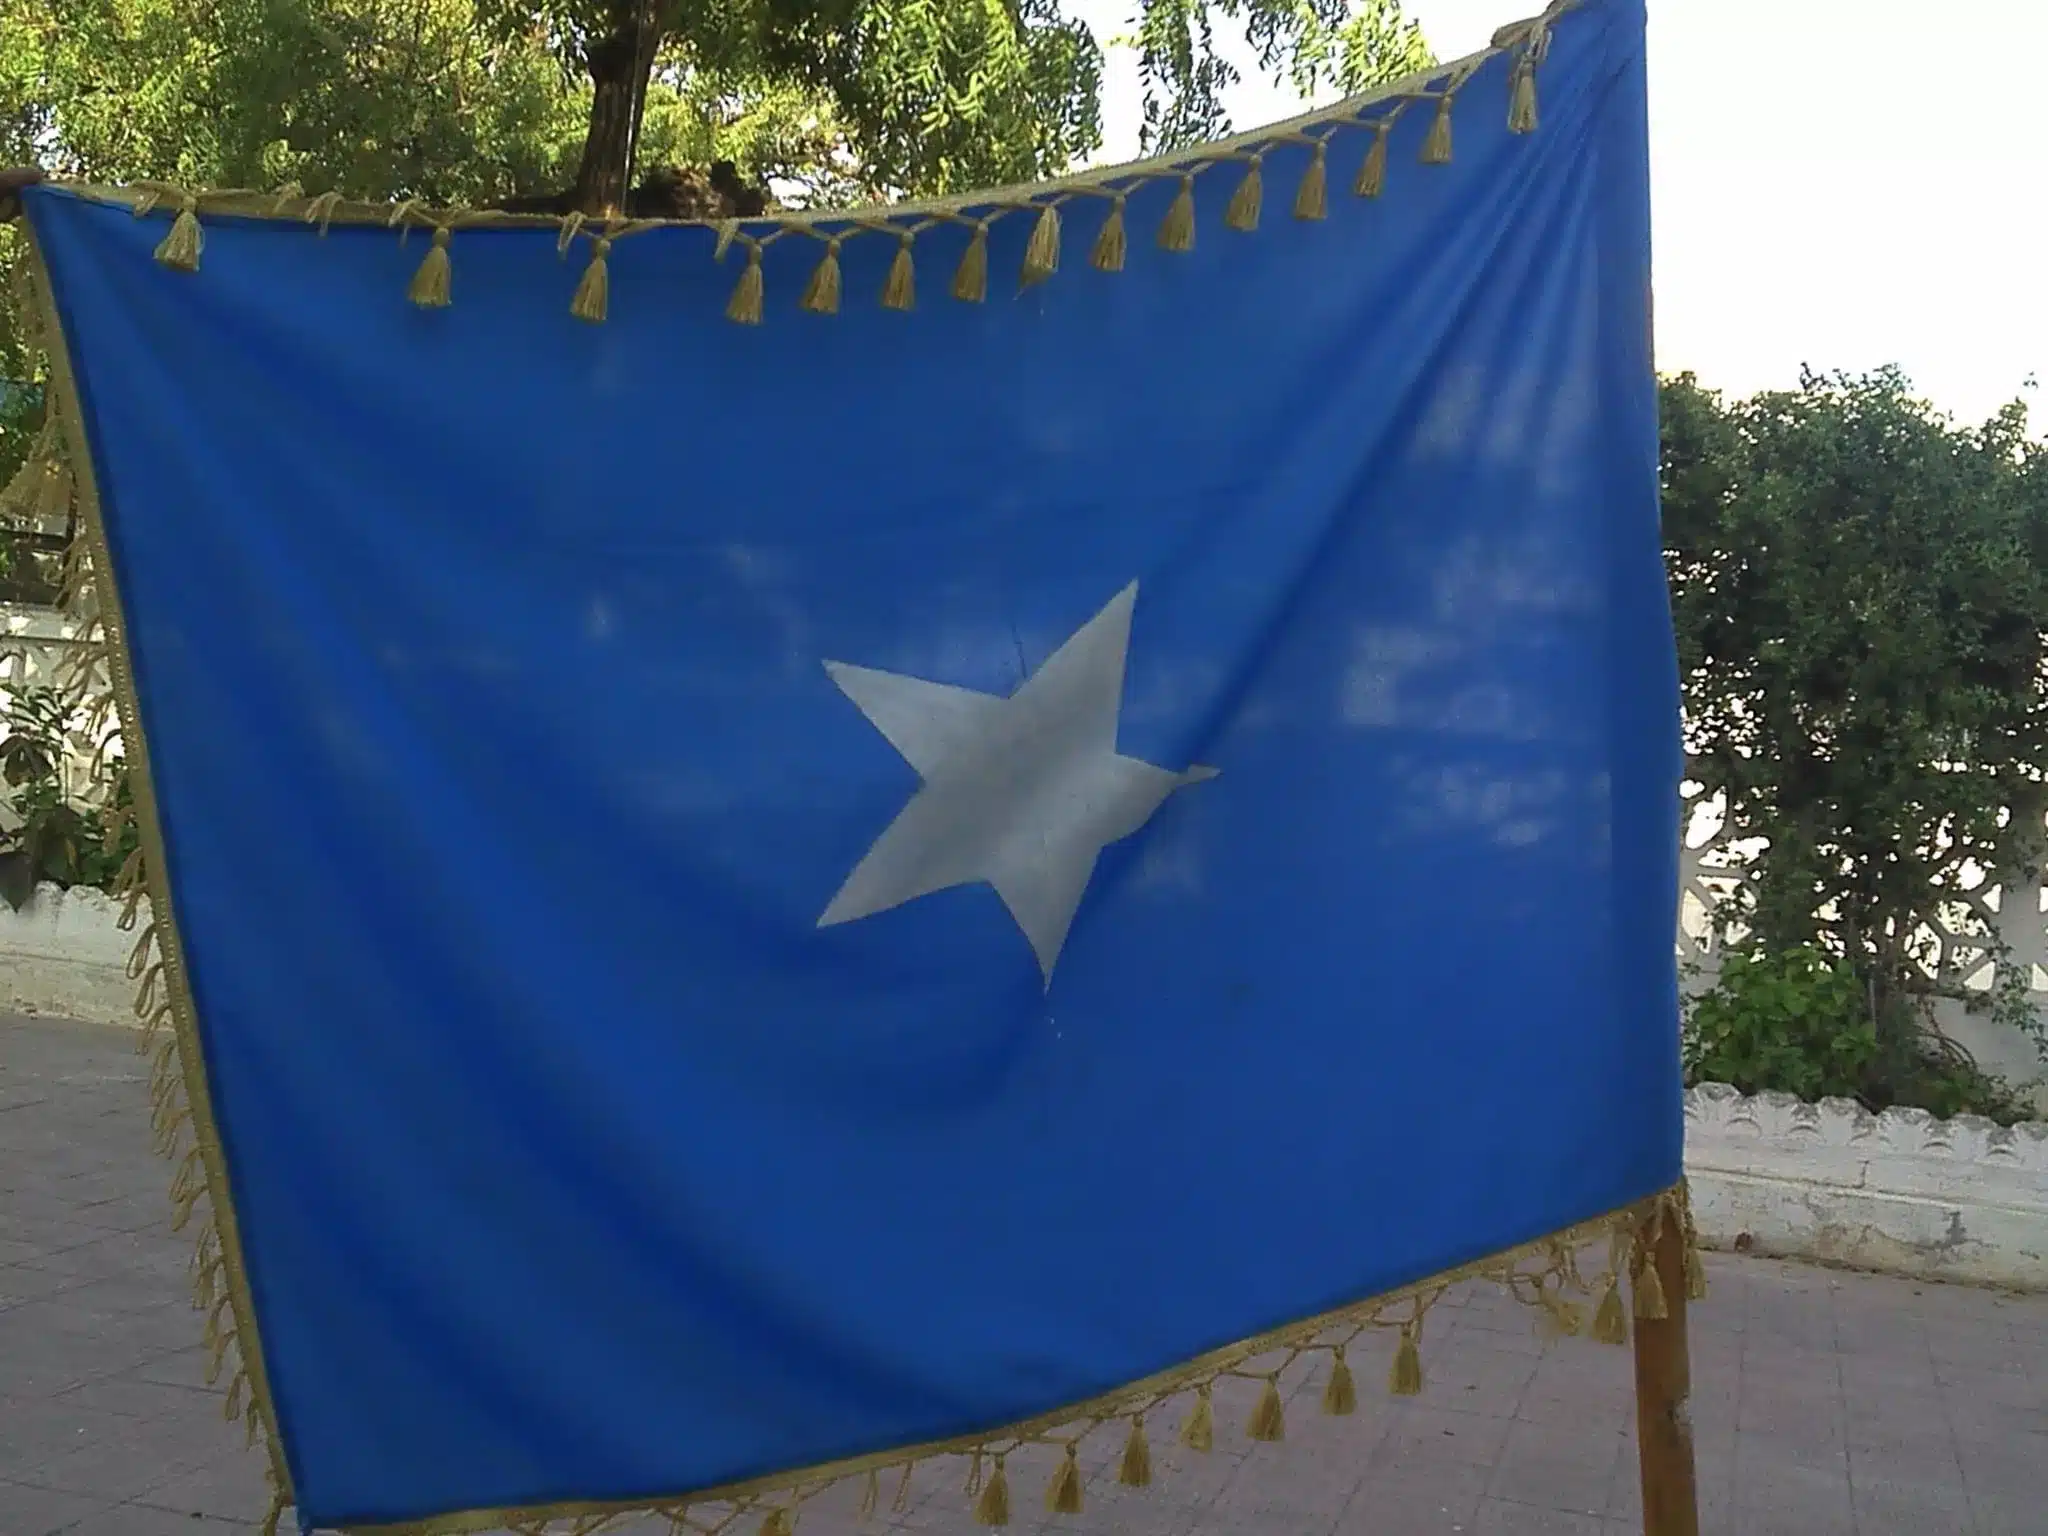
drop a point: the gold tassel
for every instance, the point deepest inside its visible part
(1405, 1380)
(1340, 1394)
(871, 1495)
(901, 1501)
(179, 250)
(821, 293)
(974, 1473)
(1242, 212)
(1436, 147)
(900, 291)
(1063, 1497)
(1108, 255)
(1650, 1301)
(138, 957)
(993, 1507)
(1269, 1419)
(1522, 98)
(970, 279)
(593, 294)
(270, 1521)
(1042, 252)
(321, 211)
(1372, 172)
(1312, 197)
(1177, 229)
(1610, 1322)
(1199, 1433)
(1561, 1319)
(744, 307)
(1695, 1273)
(1136, 1470)
(778, 1523)
(429, 286)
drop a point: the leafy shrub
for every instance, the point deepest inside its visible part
(1799, 1021)
(55, 841)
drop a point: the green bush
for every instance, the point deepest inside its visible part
(1798, 1021)
(54, 842)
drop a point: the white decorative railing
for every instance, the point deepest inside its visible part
(41, 648)
(1990, 912)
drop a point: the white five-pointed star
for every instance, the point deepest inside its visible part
(1021, 792)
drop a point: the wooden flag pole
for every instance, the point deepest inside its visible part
(1664, 1397)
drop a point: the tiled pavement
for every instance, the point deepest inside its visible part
(1824, 1402)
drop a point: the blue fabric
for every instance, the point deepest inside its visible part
(481, 655)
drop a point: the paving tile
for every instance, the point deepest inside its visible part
(27, 1511)
(1409, 1499)
(145, 1520)
(230, 1486)
(1561, 1466)
(1504, 1517)
(1896, 1507)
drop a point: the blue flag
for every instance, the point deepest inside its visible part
(756, 895)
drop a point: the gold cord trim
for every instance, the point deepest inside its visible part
(1539, 1274)
(1525, 44)
(181, 1106)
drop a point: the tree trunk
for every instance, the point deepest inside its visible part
(619, 63)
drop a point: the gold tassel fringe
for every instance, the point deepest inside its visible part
(778, 1523)
(179, 250)
(1042, 252)
(1177, 229)
(1610, 1320)
(1405, 1379)
(1242, 212)
(821, 293)
(871, 1494)
(993, 1507)
(1436, 146)
(970, 278)
(1312, 197)
(1108, 254)
(592, 299)
(1522, 98)
(1063, 1495)
(1372, 171)
(1135, 1471)
(900, 290)
(1650, 1303)
(429, 288)
(1269, 1418)
(744, 307)
(1199, 1433)
(1523, 45)
(1340, 1394)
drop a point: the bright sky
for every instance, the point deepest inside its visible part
(1841, 182)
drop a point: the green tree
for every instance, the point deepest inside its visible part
(472, 101)
(940, 95)
(1860, 588)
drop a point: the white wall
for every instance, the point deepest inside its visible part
(63, 955)
(1900, 1192)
